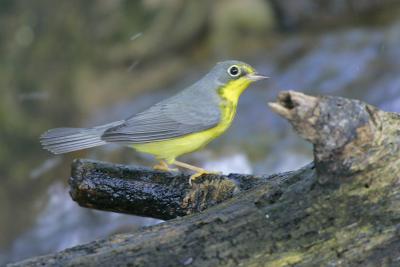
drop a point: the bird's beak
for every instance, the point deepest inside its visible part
(256, 77)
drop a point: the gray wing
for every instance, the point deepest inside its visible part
(178, 116)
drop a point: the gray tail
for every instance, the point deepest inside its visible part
(64, 140)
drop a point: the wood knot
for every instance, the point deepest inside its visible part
(207, 192)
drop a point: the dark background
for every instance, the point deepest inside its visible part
(82, 63)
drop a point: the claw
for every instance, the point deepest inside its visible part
(199, 171)
(198, 174)
(194, 176)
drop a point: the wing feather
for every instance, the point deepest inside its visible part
(183, 114)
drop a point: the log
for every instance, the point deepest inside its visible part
(343, 210)
(150, 193)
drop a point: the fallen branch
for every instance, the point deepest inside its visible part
(145, 192)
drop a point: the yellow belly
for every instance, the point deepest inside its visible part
(172, 148)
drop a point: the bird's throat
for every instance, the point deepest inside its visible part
(233, 89)
(230, 94)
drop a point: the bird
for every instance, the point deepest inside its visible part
(178, 125)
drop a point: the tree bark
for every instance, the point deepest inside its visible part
(145, 192)
(343, 210)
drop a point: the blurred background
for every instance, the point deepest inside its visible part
(83, 63)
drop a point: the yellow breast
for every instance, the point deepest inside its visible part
(172, 148)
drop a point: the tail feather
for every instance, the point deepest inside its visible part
(64, 140)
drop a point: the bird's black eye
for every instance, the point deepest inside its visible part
(234, 71)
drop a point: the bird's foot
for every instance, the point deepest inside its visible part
(163, 166)
(200, 173)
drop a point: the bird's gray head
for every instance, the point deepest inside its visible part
(230, 70)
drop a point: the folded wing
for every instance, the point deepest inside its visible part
(179, 116)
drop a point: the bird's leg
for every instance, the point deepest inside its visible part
(199, 171)
(163, 166)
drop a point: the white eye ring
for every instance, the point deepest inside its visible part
(234, 71)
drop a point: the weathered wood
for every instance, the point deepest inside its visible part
(163, 241)
(145, 192)
(343, 212)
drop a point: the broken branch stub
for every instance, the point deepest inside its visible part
(346, 133)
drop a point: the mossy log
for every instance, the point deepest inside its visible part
(343, 210)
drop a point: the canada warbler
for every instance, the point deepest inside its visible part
(175, 126)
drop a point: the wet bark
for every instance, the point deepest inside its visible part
(157, 194)
(343, 210)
